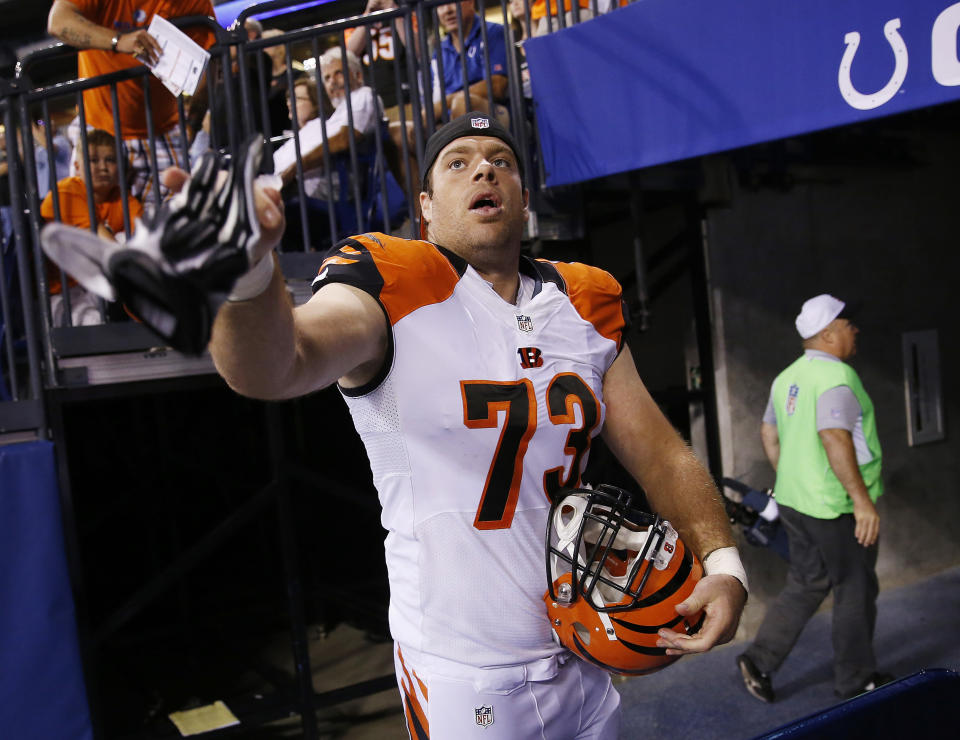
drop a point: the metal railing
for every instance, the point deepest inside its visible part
(360, 177)
(21, 397)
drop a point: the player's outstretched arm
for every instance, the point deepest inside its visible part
(264, 348)
(680, 490)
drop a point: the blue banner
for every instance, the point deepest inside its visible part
(664, 80)
(42, 692)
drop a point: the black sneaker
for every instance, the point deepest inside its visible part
(875, 681)
(757, 683)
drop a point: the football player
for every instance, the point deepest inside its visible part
(477, 379)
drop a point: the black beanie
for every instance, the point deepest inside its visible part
(473, 123)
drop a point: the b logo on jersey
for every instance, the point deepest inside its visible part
(484, 716)
(524, 323)
(530, 357)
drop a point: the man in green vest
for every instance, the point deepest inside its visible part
(820, 434)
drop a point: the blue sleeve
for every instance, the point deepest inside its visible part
(497, 48)
(63, 150)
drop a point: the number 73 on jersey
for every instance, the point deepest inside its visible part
(483, 402)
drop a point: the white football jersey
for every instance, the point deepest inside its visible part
(482, 410)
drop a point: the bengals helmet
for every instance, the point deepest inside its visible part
(615, 574)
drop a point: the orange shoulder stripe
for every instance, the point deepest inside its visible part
(597, 297)
(414, 273)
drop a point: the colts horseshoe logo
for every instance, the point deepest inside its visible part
(862, 101)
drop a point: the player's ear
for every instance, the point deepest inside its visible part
(426, 206)
(526, 203)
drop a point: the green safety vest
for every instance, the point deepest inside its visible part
(805, 480)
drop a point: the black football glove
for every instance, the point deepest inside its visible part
(177, 269)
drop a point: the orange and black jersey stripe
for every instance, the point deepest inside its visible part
(404, 275)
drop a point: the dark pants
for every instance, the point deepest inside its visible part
(824, 555)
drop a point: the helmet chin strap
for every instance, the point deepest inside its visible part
(608, 631)
(566, 523)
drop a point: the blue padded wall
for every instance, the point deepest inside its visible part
(42, 693)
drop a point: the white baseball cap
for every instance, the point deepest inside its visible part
(817, 313)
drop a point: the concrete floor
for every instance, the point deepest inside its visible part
(699, 697)
(703, 697)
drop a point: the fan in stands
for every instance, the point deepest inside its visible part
(616, 574)
(182, 260)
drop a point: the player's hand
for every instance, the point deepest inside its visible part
(722, 598)
(140, 44)
(867, 522)
(267, 201)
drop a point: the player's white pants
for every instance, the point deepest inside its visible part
(551, 699)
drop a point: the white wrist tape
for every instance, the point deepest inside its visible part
(254, 281)
(726, 561)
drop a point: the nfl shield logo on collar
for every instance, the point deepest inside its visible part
(524, 323)
(484, 716)
(480, 123)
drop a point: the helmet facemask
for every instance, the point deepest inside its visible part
(609, 548)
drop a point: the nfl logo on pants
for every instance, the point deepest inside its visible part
(484, 716)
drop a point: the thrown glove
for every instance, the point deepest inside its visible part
(177, 269)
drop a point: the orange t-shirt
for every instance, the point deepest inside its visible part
(74, 211)
(123, 16)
